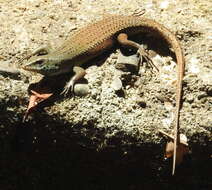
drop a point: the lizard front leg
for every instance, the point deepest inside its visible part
(79, 73)
(123, 40)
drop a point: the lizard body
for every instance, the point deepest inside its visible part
(92, 40)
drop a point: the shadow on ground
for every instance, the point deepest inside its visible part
(45, 153)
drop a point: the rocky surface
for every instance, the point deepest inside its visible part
(106, 122)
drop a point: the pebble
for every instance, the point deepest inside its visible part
(81, 89)
(190, 98)
(164, 5)
(116, 84)
(127, 63)
(202, 95)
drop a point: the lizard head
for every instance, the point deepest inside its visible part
(42, 65)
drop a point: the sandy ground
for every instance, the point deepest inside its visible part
(104, 120)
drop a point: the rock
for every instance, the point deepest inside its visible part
(190, 98)
(202, 95)
(128, 63)
(81, 89)
(116, 84)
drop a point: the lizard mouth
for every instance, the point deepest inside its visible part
(28, 68)
(42, 72)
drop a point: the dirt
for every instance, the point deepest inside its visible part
(104, 126)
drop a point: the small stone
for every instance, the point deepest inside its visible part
(6, 68)
(190, 98)
(158, 60)
(129, 109)
(127, 63)
(202, 95)
(164, 5)
(94, 94)
(114, 56)
(194, 67)
(116, 84)
(81, 89)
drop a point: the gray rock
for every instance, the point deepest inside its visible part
(128, 63)
(116, 84)
(81, 89)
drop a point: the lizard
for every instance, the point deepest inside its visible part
(95, 38)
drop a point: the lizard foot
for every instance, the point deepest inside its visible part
(68, 87)
(123, 40)
(79, 73)
(143, 53)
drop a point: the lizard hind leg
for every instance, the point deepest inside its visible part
(123, 40)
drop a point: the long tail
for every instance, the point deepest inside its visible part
(175, 44)
(180, 74)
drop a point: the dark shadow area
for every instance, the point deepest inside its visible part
(155, 43)
(45, 153)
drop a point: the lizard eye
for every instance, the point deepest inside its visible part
(39, 62)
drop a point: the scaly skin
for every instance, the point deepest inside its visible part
(94, 39)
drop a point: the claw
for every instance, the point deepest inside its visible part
(123, 39)
(69, 87)
(145, 55)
